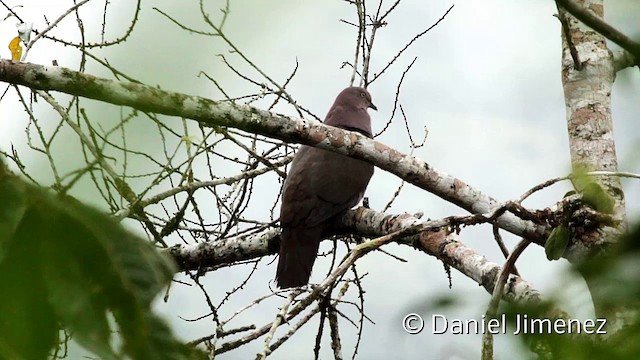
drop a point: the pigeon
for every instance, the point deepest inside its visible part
(320, 186)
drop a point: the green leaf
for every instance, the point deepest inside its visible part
(580, 179)
(73, 272)
(14, 205)
(68, 264)
(28, 327)
(594, 195)
(148, 337)
(557, 242)
(129, 264)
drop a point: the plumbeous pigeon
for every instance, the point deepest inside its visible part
(321, 185)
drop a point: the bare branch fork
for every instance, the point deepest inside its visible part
(599, 25)
(492, 310)
(443, 245)
(423, 235)
(435, 237)
(588, 73)
(516, 290)
(213, 113)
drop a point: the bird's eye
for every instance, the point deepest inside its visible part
(362, 95)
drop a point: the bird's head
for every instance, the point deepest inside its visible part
(349, 111)
(357, 97)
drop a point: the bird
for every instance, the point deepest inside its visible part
(321, 185)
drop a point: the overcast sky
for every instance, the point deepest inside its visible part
(486, 85)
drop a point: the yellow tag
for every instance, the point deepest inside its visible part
(16, 49)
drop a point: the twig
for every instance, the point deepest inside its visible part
(487, 337)
(503, 248)
(306, 318)
(361, 30)
(51, 26)
(409, 44)
(397, 96)
(274, 326)
(577, 64)
(335, 333)
(121, 214)
(121, 186)
(599, 25)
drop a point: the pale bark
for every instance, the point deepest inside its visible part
(367, 222)
(587, 83)
(588, 105)
(218, 113)
(591, 13)
(213, 113)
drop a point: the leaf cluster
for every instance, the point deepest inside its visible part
(66, 265)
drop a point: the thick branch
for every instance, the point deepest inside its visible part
(217, 113)
(598, 24)
(588, 102)
(367, 222)
(623, 59)
(589, 121)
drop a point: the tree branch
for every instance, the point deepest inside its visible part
(596, 23)
(587, 95)
(217, 113)
(431, 240)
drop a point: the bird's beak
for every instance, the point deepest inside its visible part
(373, 106)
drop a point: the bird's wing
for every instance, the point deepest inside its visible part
(322, 184)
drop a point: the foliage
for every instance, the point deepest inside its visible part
(63, 264)
(557, 242)
(616, 279)
(594, 196)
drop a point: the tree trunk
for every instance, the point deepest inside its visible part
(587, 77)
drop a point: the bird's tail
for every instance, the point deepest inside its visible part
(298, 251)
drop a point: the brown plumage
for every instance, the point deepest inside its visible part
(321, 185)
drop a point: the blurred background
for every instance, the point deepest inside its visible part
(486, 85)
